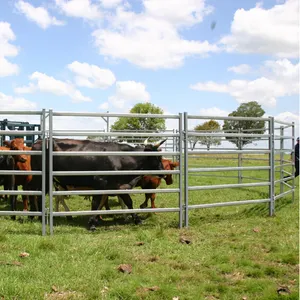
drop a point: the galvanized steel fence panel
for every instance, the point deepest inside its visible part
(179, 148)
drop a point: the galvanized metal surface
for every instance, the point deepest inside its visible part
(180, 150)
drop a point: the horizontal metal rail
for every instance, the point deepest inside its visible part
(20, 213)
(213, 175)
(254, 178)
(226, 186)
(109, 134)
(283, 123)
(122, 172)
(280, 137)
(20, 152)
(284, 194)
(113, 212)
(227, 134)
(283, 151)
(113, 153)
(19, 192)
(21, 112)
(218, 204)
(218, 169)
(19, 132)
(113, 115)
(283, 165)
(114, 192)
(18, 172)
(228, 118)
(229, 152)
(255, 158)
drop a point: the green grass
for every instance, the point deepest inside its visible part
(236, 251)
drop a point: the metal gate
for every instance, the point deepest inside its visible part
(275, 140)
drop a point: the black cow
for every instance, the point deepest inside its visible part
(96, 163)
(7, 162)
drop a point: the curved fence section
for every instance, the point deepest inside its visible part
(229, 163)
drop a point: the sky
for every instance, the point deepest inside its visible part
(203, 57)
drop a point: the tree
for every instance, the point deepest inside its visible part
(249, 109)
(207, 127)
(140, 124)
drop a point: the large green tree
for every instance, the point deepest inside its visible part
(140, 124)
(207, 127)
(249, 109)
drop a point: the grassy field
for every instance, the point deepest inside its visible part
(234, 252)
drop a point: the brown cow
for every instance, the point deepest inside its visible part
(150, 182)
(22, 163)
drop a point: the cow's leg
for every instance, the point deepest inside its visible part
(25, 202)
(145, 203)
(64, 204)
(153, 200)
(97, 203)
(57, 200)
(13, 199)
(128, 201)
(122, 204)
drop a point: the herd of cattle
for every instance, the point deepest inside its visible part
(84, 162)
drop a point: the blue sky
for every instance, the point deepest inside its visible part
(107, 55)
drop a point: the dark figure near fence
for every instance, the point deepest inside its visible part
(296, 158)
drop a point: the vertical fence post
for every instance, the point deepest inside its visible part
(180, 184)
(43, 136)
(51, 170)
(281, 158)
(107, 127)
(240, 157)
(272, 167)
(186, 168)
(293, 162)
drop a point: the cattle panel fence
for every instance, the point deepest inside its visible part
(277, 138)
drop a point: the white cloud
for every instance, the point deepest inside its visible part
(91, 75)
(38, 15)
(240, 69)
(151, 39)
(7, 49)
(48, 84)
(15, 103)
(213, 111)
(104, 106)
(288, 117)
(281, 78)
(273, 31)
(80, 9)
(128, 93)
(178, 12)
(110, 3)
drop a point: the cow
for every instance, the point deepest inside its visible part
(96, 163)
(22, 163)
(146, 182)
(7, 162)
(150, 182)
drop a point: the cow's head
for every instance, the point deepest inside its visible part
(170, 166)
(17, 144)
(154, 162)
